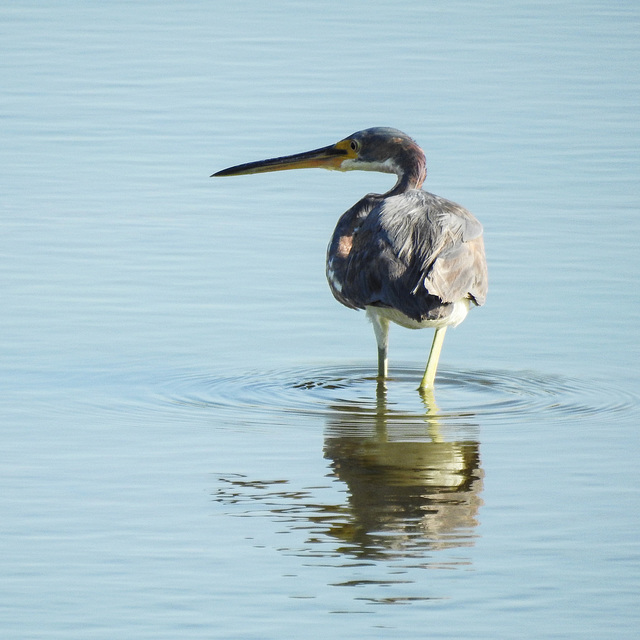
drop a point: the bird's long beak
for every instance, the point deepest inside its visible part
(330, 157)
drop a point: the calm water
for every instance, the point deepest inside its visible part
(193, 444)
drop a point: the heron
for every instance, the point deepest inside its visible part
(406, 256)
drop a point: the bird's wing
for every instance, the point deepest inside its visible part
(417, 243)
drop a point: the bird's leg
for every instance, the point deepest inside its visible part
(381, 329)
(434, 356)
(383, 363)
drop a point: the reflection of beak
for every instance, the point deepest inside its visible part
(325, 158)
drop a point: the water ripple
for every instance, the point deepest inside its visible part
(459, 395)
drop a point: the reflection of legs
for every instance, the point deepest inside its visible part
(434, 356)
(381, 329)
(432, 415)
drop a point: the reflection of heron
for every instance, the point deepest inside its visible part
(413, 483)
(407, 256)
(409, 486)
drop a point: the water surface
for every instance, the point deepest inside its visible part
(194, 444)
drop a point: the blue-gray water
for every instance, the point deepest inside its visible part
(192, 443)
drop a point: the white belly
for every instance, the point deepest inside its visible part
(459, 313)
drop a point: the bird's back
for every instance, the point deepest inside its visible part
(414, 252)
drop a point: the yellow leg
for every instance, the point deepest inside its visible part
(434, 356)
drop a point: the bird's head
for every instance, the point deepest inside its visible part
(377, 149)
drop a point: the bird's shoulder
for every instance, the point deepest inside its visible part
(417, 211)
(414, 226)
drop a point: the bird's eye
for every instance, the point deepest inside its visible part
(355, 145)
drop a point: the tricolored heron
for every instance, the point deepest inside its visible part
(406, 256)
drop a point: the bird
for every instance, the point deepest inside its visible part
(406, 256)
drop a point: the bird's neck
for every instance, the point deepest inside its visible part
(411, 173)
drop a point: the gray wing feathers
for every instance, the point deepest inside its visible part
(438, 241)
(413, 252)
(459, 272)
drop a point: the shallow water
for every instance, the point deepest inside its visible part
(194, 443)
